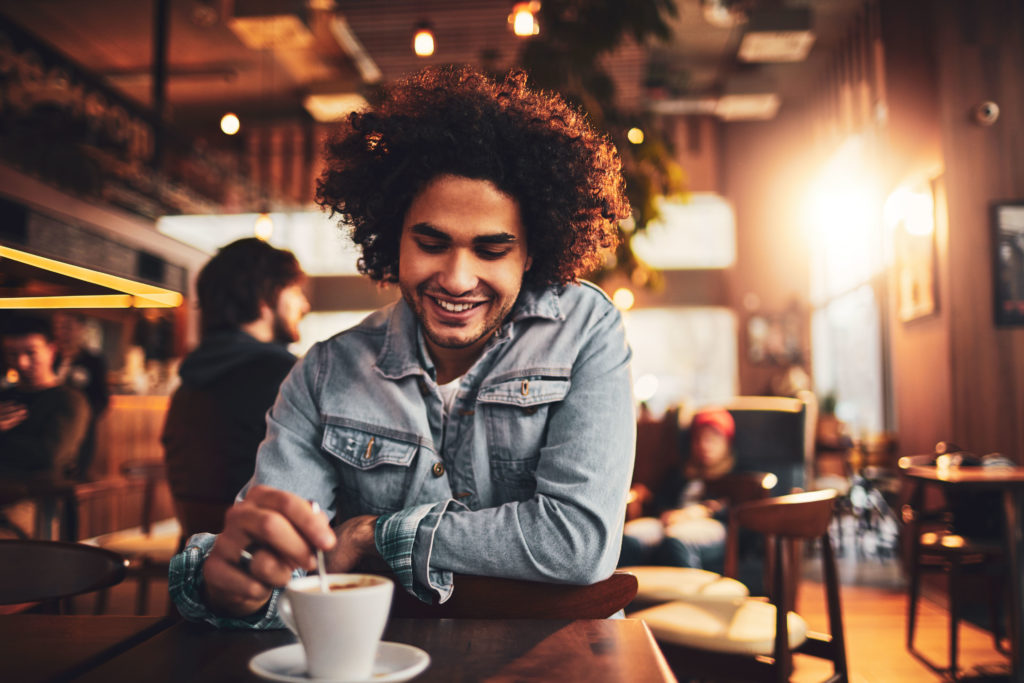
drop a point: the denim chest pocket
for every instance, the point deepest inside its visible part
(373, 466)
(516, 417)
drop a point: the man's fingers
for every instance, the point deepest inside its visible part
(265, 566)
(298, 511)
(246, 524)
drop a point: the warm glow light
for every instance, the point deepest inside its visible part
(263, 226)
(645, 387)
(913, 209)
(623, 299)
(843, 215)
(135, 294)
(524, 20)
(229, 124)
(423, 42)
(635, 135)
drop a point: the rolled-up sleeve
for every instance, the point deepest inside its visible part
(570, 531)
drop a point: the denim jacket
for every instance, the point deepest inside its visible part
(527, 478)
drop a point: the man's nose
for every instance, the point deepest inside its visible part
(459, 273)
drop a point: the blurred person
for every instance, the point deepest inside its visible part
(483, 423)
(250, 303)
(80, 367)
(687, 529)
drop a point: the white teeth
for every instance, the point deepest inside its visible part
(454, 308)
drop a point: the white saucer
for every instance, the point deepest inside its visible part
(395, 662)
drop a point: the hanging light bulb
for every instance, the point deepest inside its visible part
(523, 18)
(423, 40)
(263, 226)
(229, 124)
(635, 135)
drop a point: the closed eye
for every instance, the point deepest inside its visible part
(431, 247)
(491, 253)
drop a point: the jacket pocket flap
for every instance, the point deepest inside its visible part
(525, 391)
(366, 450)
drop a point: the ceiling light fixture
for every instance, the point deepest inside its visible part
(423, 40)
(748, 97)
(777, 35)
(132, 294)
(524, 18)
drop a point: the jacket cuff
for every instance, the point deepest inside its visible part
(185, 581)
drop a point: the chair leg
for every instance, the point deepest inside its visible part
(101, 601)
(142, 592)
(913, 592)
(954, 614)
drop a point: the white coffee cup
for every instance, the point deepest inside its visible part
(340, 629)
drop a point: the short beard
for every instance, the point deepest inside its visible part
(283, 334)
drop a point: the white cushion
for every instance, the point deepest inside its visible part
(661, 584)
(744, 627)
(648, 530)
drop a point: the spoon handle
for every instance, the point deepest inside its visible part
(321, 566)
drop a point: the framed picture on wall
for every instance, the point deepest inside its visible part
(914, 252)
(1008, 261)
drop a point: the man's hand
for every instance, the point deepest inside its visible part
(12, 414)
(281, 531)
(355, 543)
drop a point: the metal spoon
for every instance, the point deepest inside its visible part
(320, 564)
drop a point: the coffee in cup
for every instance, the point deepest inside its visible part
(340, 629)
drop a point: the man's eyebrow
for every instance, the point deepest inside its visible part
(497, 238)
(428, 230)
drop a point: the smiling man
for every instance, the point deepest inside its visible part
(483, 424)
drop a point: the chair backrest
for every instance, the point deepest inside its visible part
(36, 571)
(741, 487)
(151, 472)
(785, 521)
(484, 597)
(776, 434)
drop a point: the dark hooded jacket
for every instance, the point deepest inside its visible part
(217, 417)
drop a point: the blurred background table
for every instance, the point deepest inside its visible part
(1010, 481)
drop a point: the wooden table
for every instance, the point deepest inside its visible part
(460, 650)
(45, 647)
(1010, 481)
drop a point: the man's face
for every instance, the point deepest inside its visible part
(32, 356)
(461, 261)
(292, 305)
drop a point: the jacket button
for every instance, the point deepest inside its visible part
(438, 469)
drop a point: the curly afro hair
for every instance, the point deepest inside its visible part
(533, 146)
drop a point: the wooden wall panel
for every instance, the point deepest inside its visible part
(980, 56)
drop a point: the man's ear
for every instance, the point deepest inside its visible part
(529, 263)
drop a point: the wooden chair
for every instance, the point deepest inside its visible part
(935, 547)
(776, 434)
(34, 571)
(748, 639)
(148, 554)
(482, 597)
(657, 584)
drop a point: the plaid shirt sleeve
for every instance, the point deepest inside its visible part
(394, 536)
(185, 578)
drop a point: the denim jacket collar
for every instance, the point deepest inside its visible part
(401, 352)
